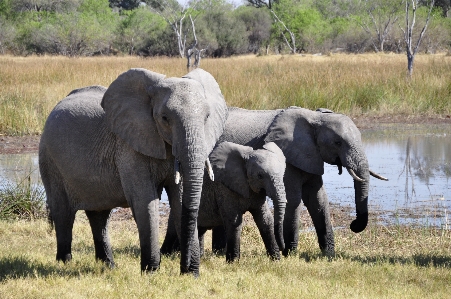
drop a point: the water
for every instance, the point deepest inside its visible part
(417, 161)
(415, 158)
(17, 167)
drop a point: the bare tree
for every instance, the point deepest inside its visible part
(383, 15)
(193, 50)
(292, 43)
(174, 15)
(269, 5)
(408, 32)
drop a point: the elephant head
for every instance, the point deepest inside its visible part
(310, 138)
(147, 111)
(243, 170)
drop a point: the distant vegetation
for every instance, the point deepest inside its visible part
(364, 84)
(223, 28)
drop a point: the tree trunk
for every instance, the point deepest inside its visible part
(410, 60)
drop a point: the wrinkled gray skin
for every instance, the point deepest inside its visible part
(105, 148)
(243, 179)
(307, 139)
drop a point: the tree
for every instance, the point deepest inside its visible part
(6, 35)
(383, 14)
(445, 5)
(175, 14)
(409, 31)
(269, 4)
(138, 30)
(258, 26)
(125, 4)
(45, 5)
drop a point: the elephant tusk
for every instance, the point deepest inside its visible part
(176, 171)
(209, 169)
(354, 176)
(378, 176)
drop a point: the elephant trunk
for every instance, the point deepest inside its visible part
(280, 203)
(192, 189)
(361, 188)
(192, 170)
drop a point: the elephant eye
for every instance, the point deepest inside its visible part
(338, 143)
(260, 176)
(206, 117)
(165, 119)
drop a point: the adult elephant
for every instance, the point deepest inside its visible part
(308, 139)
(117, 147)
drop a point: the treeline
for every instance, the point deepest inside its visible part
(216, 27)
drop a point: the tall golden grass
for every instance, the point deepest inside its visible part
(350, 84)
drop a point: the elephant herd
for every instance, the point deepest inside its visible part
(120, 146)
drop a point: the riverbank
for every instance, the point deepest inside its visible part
(30, 143)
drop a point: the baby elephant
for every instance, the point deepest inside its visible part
(243, 179)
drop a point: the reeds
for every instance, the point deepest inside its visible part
(375, 84)
(22, 200)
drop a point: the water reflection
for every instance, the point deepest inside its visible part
(417, 161)
(15, 168)
(415, 158)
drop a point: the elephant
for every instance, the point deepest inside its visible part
(308, 139)
(119, 146)
(243, 179)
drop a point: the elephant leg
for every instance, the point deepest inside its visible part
(171, 241)
(64, 223)
(315, 199)
(201, 234)
(233, 230)
(147, 219)
(265, 223)
(99, 227)
(219, 240)
(293, 189)
(63, 217)
(141, 192)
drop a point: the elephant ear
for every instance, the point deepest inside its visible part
(294, 133)
(215, 123)
(272, 147)
(324, 110)
(228, 163)
(128, 109)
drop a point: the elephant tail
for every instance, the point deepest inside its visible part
(50, 219)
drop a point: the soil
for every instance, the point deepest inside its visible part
(340, 216)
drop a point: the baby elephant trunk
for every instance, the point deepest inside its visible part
(280, 202)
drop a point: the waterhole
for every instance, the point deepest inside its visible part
(415, 158)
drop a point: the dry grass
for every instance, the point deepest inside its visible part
(351, 84)
(381, 262)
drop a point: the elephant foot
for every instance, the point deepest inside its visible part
(110, 264)
(329, 253)
(149, 269)
(289, 251)
(274, 256)
(189, 271)
(64, 257)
